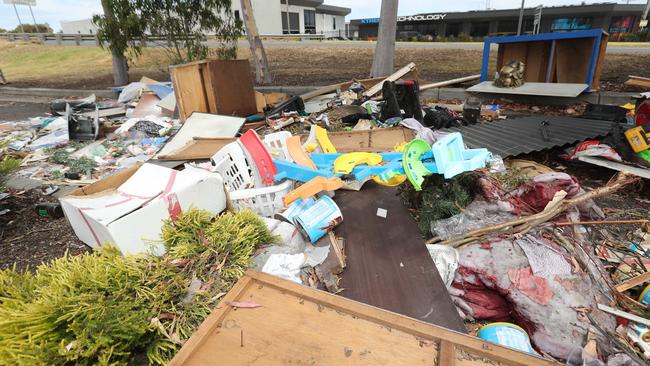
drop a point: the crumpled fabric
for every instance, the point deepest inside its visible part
(495, 282)
(422, 132)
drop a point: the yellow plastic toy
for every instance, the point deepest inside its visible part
(324, 141)
(345, 163)
(392, 182)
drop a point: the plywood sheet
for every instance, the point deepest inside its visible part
(188, 89)
(198, 149)
(231, 84)
(539, 89)
(202, 125)
(537, 58)
(572, 59)
(298, 325)
(378, 140)
(388, 264)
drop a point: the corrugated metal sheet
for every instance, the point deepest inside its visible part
(517, 136)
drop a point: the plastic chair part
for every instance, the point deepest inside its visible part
(263, 161)
(276, 144)
(265, 201)
(413, 167)
(311, 188)
(287, 170)
(344, 164)
(311, 144)
(297, 154)
(452, 158)
(324, 140)
(230, 162)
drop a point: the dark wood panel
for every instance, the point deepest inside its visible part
(388, 263)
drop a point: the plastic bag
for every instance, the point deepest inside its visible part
(446, 260)
(476, 215)
(130, 92)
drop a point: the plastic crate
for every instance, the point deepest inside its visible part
(231, 163)
(265, 201)
(276, 144)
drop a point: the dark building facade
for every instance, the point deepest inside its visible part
(611, 17)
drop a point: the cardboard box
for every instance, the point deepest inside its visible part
(128, 208)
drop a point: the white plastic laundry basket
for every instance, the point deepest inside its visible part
(276, 144)
(231, 163)
(264, 201)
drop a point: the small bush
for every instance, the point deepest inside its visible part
(7, 165)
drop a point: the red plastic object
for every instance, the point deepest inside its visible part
(263, 161)
(642, 115)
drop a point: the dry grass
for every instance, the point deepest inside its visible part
(27, 64)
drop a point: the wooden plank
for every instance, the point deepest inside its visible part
(300, 325)
(639, 172)
(188, 89)
(388, 263)
(146, 106)
(209, 86)
(377, 140)
(447, 353)
(640, 82)
(633, 282)
(595, 84)
(572, 57)
(393, 77)
(514, 52)
(624, 315)
(440, 84)
(232, 85)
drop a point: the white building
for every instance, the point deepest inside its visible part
(83, 26)
(274, 17)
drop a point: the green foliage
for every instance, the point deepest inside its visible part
(7, 165)
(81, 165)
(183, 24)
(121, 27)
(31, 28)
(439, 199)
(103, 308)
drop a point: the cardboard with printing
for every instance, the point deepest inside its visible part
(129, 207)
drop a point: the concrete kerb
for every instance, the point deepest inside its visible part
(615, 98)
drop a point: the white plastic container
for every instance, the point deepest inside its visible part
(265, 201)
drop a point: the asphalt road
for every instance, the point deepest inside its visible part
(643, 50)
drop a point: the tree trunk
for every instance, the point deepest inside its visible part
(383, 62)
(120, 66)
(120, 70)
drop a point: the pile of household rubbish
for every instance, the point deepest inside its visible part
(84, 140)
(523, 245)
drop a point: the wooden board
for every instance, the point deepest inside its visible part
(188, 89)
(595, 84)
(231, 84)
(297, 325)
(572, 59)
(378, 140)
(511, 52)
(198, 149)
(388, 265)
(531, 88)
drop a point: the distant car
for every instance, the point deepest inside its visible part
(336, 38)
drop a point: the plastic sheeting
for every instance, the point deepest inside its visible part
(496, 282)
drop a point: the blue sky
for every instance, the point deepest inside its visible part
(53, 11)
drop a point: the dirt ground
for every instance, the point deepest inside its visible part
(26, 239)
(323, 66)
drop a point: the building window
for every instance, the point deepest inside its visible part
(453, 29)
(290, 23)
(621, 24)
(310, 21)
(334, 23)
(567, 24)
(237, 15)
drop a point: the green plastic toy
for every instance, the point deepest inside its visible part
(413, 166)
